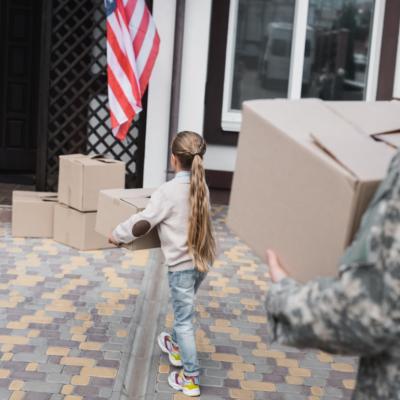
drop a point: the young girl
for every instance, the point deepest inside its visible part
(180, 209)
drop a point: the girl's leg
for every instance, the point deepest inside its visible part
(183, 285)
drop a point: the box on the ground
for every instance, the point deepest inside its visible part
(82, 177)
(305, 173)
(32, 214)
(116, 206)
(76, 229)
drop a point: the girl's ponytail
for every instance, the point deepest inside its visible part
(200, 240)
(189, 148)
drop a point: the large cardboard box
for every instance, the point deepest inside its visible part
(32, 214)
(305, 173)
(76, 229)
(116, 206)
(82, 177)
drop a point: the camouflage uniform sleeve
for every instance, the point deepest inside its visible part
(352, 314)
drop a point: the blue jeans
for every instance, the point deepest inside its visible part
(183, 286)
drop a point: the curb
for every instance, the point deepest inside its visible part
(147, 320)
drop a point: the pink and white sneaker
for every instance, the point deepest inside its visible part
(188, 385)
(168, 346)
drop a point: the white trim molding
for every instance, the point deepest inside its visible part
(298, 47)
(159, 97)
(230, 119)
(396, 86)
(375, 50)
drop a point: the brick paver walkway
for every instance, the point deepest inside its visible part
(237, 362)
(66, 319)
(67, 323)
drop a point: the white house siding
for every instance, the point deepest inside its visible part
(396, 89)
(193, 82)
(159, 97)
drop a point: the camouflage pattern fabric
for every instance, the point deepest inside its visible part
(357, 313)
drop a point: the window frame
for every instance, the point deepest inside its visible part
(230, 120)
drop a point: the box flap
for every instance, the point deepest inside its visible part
(313, 122)
(140, 202)
(73, 156)
(127, 193)
(392, 139)
(29, 196)
(97, 160)
(370, 117)
(366, 159)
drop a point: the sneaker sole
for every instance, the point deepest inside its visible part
(190, 393)
(172, 360)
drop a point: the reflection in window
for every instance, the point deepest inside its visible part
(336, 58)
(262, 50)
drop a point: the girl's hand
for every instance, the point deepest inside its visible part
(112, 240)
(276, 269)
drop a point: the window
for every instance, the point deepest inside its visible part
(257, 54)
(300, 48)
(340, 33)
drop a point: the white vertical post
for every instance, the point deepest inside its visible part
(396, 86)
(159, 97)
(375, 50)
(298, 47)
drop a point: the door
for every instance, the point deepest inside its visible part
(19, 49)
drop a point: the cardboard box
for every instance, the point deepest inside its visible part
(76, 229)
(116, 206)
(32, 214)
(305, 173)
(82, 177)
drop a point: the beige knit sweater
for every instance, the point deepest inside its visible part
(168, 212)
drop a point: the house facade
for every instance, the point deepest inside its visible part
(214, 55)
(236, 50)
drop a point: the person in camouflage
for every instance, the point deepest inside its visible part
(357, 313)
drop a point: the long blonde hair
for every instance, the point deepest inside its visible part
(189, 148)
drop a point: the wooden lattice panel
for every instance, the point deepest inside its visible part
(78, 117)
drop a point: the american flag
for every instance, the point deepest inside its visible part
(132, 48)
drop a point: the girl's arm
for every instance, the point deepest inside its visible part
(143, 222)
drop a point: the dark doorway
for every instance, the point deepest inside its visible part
(19, 68)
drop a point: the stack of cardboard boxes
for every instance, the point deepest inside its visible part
(70, 220)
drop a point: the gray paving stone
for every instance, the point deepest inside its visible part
(30, 357)
(211, 381)
(292, 396)
(254, 376)
(58, 378)
(112, 355)
(164, 388)
(315, 381)
(50, 368)
(42, 387)
(335, 392)
(105, 392)
(314, 364)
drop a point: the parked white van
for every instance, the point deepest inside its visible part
(275, 60)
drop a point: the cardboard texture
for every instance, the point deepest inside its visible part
(76, 229)
(116, 206)
(305, 172)
(82, 177)
(32, 214)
